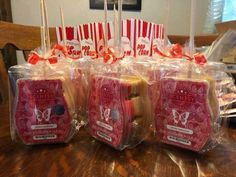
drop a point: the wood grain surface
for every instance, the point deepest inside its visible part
(85, 156)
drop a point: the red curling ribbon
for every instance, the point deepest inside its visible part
(93, 54)
(157, 51)
(176, 51)
(109, 55)
(64, 51)
(199, 59)
(34, 58)
(60, 48)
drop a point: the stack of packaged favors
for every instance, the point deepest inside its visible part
(118, 91)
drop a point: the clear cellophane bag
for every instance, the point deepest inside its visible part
(118, 105)
(187, 108)
(42, 102)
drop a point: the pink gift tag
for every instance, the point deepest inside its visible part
(87, 40)
(127, 41)
(73, 44)
(109, 112)
(143, 36)
(183, 114)
(42, 114)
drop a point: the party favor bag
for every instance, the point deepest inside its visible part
(119, 106)
(42, 102)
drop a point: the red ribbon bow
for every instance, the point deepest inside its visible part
(177, 52)
(199, 58)
(109, 55)
(93, 54)
(157, 51)
(64, 51)
(34, 58)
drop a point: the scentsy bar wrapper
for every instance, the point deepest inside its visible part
(42, 113)
(183, 113)
(115, 109)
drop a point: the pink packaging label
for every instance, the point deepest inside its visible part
(87, 40)
(183, 115)
(73, 44)
(144, 33)
(42, 114)
(109, 113)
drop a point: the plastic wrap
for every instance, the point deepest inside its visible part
(119, 107)
(187, 110)
(42, 102)
(221, 47)
(226, 92)
(80, 77)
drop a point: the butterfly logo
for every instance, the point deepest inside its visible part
(105, 113)
(44, 115)
(183, 118)
(199, 91)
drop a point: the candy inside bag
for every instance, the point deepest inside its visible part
(119, 107)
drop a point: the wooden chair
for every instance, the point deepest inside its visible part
(23, 38)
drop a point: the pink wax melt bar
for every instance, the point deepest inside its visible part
(41, 113)
(114, 107)
(183, 113)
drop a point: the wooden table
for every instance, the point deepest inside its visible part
(84, 156)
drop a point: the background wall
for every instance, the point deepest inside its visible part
(77, 11)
